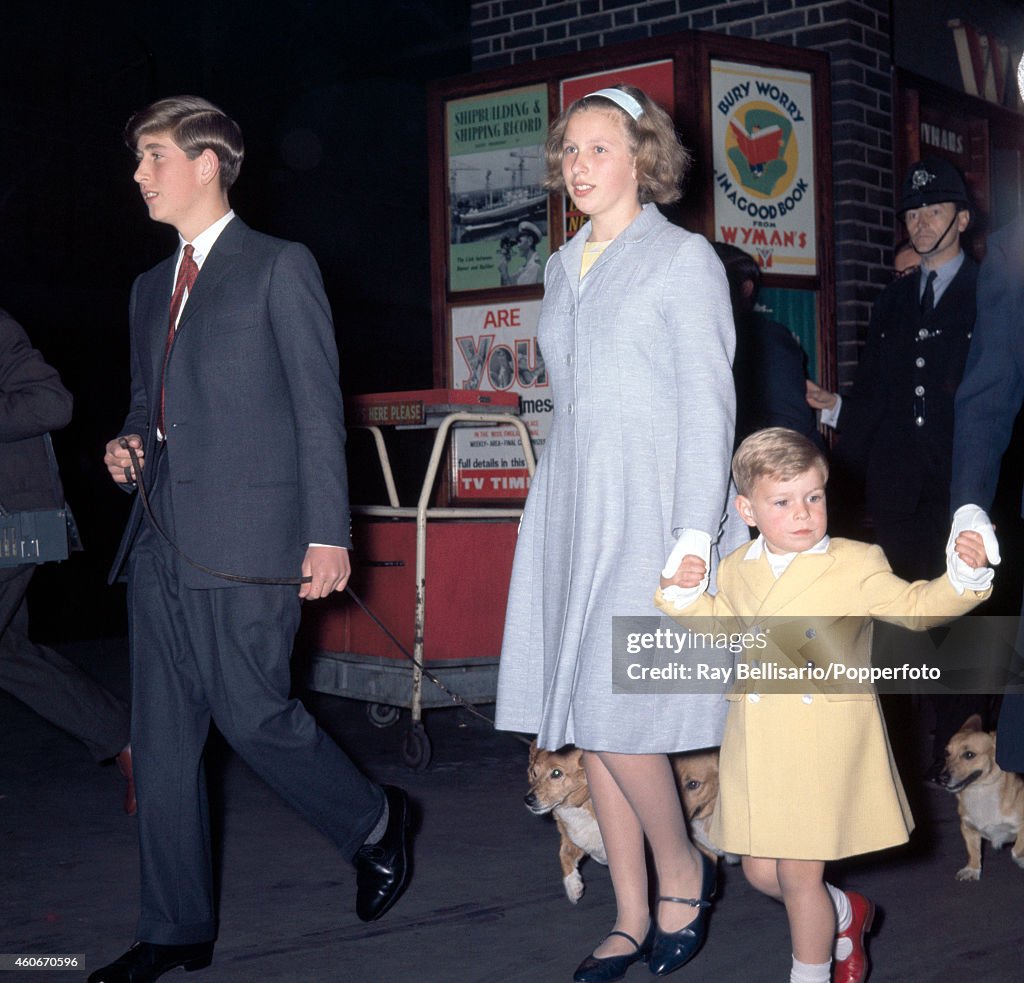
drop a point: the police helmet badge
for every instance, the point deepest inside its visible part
(921, 178)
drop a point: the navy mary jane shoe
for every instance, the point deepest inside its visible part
(595, 969)
(670, 950)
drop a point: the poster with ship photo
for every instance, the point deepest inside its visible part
(497, 203)
(655, 78)
(493, 347)
(763, 143)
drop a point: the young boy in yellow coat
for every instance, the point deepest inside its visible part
(840, 794)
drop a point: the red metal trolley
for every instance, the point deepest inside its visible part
(436, 575)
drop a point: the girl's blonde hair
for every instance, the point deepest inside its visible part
(662, 162)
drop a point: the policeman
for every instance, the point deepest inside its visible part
(896, 425)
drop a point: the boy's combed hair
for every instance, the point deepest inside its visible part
(195, 125)
(662, 162)
(776, 452)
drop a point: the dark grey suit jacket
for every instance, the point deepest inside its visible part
(987, 403)
(32, 403)
(255, 448)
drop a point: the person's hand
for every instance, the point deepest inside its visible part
(970, 548)
(119, 461)
(818, 398)
(691, 573)
(329, 569)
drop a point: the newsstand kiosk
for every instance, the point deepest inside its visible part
(433, 576)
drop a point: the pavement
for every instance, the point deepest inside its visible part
(486, 903)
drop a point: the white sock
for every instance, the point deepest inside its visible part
(810, 972)
(844, 915)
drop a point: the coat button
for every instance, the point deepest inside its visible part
(807, 698)
(754, 697)
(919, 421)
(923, 333)
(811, 633)
(918, 390)
(570, 409)
(919, 362)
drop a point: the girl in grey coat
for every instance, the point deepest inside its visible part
(637, 336)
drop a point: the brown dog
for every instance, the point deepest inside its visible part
(990, 801)
(558, 784)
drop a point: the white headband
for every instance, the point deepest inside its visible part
(623, 100)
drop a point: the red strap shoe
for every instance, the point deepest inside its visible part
(854, 968)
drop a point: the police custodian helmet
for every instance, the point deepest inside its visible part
(931, 181)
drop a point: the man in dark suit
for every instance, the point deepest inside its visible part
(32, 403)
(236, 424)
(987, 404)
(896, 425)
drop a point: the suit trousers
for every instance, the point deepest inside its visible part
(53, 686)
(220, 655)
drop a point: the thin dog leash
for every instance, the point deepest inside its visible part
(285, 582)
(235, 578)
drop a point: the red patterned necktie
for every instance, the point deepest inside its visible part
(187, 273)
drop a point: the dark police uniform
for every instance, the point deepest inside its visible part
(897, 425)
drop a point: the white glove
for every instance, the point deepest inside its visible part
(961, 576)
(690, 542)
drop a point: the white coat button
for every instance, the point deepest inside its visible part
(754, 697)
(918, 390)
(919, 362)
(923, 333)
(807, 698)
(570, 409)
(811, 633)
(919, 420)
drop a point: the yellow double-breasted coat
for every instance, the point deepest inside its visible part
(808, 773)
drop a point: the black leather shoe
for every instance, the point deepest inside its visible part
(146, 961)
(670, 950)
(598, 969)
(382, 869)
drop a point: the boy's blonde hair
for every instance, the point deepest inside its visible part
(778, 453)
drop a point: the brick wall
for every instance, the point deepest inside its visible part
(856, 35)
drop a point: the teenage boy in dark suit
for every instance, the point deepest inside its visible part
(236, 421)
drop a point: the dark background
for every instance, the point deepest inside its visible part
(331, 100)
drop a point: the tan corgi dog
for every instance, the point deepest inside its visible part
(990, 801)
(558, 784)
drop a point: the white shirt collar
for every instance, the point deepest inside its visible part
(779, 561)
(203, 243)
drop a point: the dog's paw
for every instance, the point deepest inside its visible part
(573, 886)
(969, 874)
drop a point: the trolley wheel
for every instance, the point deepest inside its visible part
(382, 715)
(416, 748)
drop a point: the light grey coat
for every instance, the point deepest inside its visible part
(639, 356)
